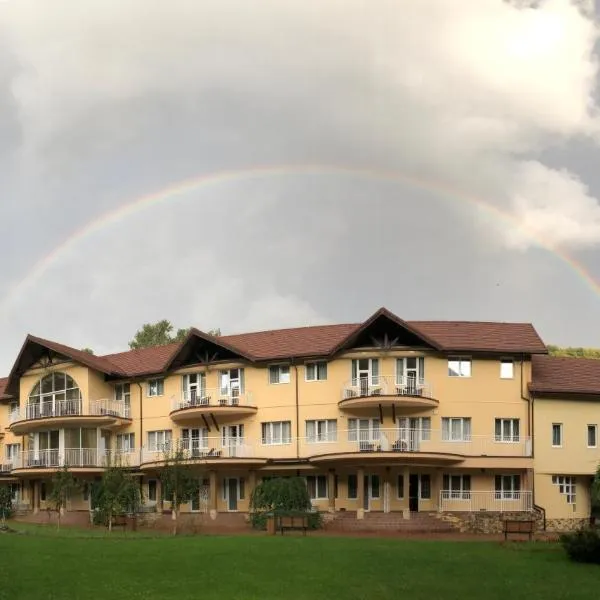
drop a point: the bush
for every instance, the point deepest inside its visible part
(6, 504)
(582, 546)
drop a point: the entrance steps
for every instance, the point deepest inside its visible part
(421, 522)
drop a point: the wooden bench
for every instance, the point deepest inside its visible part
(299, 522)
(519, 527)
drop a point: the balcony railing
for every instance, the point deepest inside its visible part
(201, 448)
(74, 457)
(211, 397)
(385, 385)
(500, 501)
(70, 408)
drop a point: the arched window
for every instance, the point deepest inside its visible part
(55, 395)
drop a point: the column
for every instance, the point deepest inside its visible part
(212, 502)
(159, 497)
(405, 493)
(360, 493)
(331, 491)
(439, 486)
(386, 490)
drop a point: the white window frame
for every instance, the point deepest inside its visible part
(229, 386)
(280, 374)
(414, 428)
(359, 374)
(269, 435)
(509, 372)
(460, 371)
(232, 435)
(317, 479)
(567, 486)
(188, 386)
(464, 436)
(129, 446)
(463, 492)
(159, 382)
(416, 373)
(314, 366)
(507, 433)
(12, 452)
(510, 486)
(592, 427)
(325, 431)
(123, 393)
(159, 440)
(561, 435)
(196, 439)
(372, 431)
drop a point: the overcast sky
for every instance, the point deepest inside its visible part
(102, 103)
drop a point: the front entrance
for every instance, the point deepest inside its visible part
(231, 491)
(370, 490)
(413, 492)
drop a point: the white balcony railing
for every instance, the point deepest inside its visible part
(14, 415)
(211, 397)
(385, 385)
(58, 408)
(74, 457)
(467, 501)
(200, 448)
(114, 408)
(69, 408)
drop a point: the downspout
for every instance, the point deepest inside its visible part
(297, 410)
(141, 421)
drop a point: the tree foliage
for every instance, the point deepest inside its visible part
(179, 484)
(595, 494)
(156, 334)
(576, 352)
(6, 502)
(88, 350)
(63, 485)
(281, 494)
(214, 332)
(117, 494)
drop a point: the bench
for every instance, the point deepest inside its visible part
(299, 522)
(519, 527)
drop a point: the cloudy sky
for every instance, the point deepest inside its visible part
(433, 156)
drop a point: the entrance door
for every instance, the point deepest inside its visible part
(413, 492)
(232, 493)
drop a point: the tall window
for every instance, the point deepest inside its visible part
(457, 487)
(508, 487)
(232, 383)
(316, 371)
(363, 430)
(232, 435)
(456, 429)
(123, 393)
(317, 486)
(410, 371)
(592, 436)
(194, 440)
(277, 432)
(125, 442)
(567, 486)
(414, 428)
(279, 374)
(54, 395)
(557, 435)
(507, 368)
(459, 367)
(321, 431)
(156, 387)
(12, 452)
(159, 441)
(365, 371)
(193, 387)
(507, 430)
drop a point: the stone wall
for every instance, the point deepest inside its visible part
(487, 522)
(563, 525)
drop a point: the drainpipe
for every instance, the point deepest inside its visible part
(141, 421)
(297, 410)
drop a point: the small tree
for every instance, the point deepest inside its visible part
(156, 334)
(595, 495)
(63, 485)
(118, 493)
(6, 503)
(179, 483)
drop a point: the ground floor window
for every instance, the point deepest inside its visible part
(566, 485)
(425, 486)
(508, 487)
(43, 491)
(317, 486)
(152, 490)
(457, 487)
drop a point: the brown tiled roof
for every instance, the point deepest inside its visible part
(286, 343)
(143, 361)
(3, 382)
(561, 374)
(483, 336)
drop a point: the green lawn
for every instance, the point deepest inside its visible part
(41, 564)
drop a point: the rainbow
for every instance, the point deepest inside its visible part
(218, 178)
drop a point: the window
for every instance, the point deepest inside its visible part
(557, 434)
(232, 435)
(123, 393)
(363, 430)
(321, 431)
(152, 490)
(374, 486)
(194, 440)
(43, 491)
(159, 441)
(507, 368)
(425, 486)
(232, 383)
(316, 371)
(277, 432)
(365, 371)
(12, 453)
(459, 367)
(457, 487)
(410, 371)
(125, 442)
(414, 430)
(193, 387)
(566, 486)
(592, 436)
(400, 487)
(54, 395)
(317, 486)
(279, 374)
(156, 387)
(508, 487)
(456, 429)
(352, 487)
(507, 430)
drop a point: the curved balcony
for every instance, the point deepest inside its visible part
(403, 393)
(69, 413)
(219, 402)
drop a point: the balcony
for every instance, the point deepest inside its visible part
(402, 393)
(193, 405)
(467, 501)
(74, 458)
(69, 413)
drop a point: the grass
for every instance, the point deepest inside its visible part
(77, 564)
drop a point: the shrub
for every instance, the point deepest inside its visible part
(582, 546)
(6, 503)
